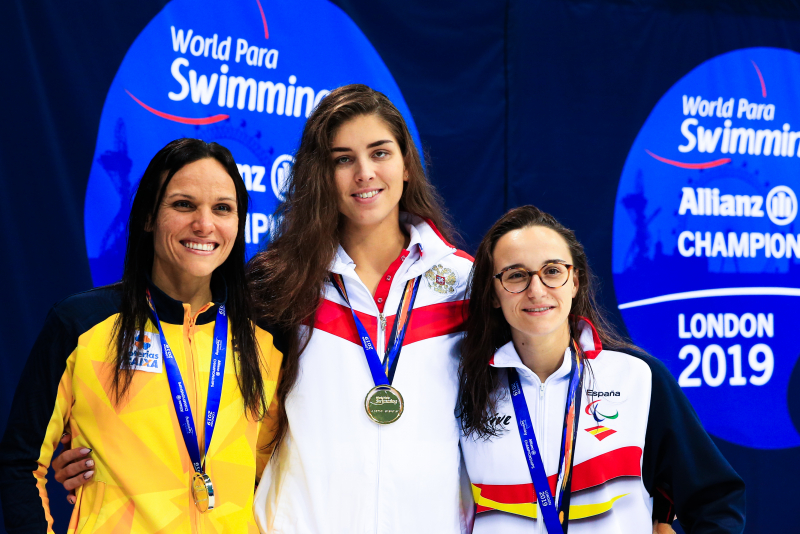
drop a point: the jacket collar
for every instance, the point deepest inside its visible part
(171, 311)
(507, 356)
(588, 339)
(427, 247)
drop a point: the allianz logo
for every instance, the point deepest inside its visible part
(780, 204)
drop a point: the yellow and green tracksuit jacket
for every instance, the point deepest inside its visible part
(142, 469)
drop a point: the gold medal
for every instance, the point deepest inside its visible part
(384, 404)
(203, 492)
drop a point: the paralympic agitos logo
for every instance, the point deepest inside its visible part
(599, 431)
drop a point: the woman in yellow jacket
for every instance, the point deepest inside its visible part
(162, 375)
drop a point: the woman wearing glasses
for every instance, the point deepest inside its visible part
(549, 401)
(361, 274)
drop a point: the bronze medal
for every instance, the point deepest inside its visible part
(203, 492)
(384, 404)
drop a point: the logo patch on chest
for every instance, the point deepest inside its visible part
(441, 279)
(146, 355)
(600, 431)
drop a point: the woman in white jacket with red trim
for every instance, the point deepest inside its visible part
(369, 291)
(560, 431)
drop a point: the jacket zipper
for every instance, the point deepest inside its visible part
(540, 527)
(198, 520)
(381, 346)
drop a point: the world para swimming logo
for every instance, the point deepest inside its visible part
(245, 75)
(706, 245)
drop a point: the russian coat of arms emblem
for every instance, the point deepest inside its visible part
(441, 279)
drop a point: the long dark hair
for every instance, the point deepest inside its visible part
(289, 277)
(487, 329)
(134, 311)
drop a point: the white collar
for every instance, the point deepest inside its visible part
(426, 247)
(507, 356)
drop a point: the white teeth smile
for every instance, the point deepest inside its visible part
(199, 246)
(538, 309)
(369, 194)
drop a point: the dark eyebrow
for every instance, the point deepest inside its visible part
(379, 143)
(179, 194)
(371, 145)
(545, 262)
(190, 197)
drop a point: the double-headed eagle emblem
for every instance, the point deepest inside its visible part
(441, 279)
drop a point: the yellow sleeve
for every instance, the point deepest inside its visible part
(269, 425)
(59, 422)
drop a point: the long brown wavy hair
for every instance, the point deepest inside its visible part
(288, 278)
(487, 329)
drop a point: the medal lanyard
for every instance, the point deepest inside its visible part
(178, 389)
(555, 513)
(383, 374)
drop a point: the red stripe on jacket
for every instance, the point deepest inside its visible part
(426, 322)
(621, 462)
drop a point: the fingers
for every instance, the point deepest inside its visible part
(74, 469)
(70, 463)
(66, 439)
(71, 498)
(662, 528)
(78, 480)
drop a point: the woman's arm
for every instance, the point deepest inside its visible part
(708, 494)
(271, 347)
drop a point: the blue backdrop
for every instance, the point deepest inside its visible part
(550, 102)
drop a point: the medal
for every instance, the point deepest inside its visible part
(384, 404)
(203, 492)
(201, 487)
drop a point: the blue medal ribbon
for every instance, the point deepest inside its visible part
(550, 507)
(381, 376)
(178, 389)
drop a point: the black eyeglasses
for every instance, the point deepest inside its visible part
(518, 279)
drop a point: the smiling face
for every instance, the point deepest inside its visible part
(196, 225)
(538, 312)
(369, 171)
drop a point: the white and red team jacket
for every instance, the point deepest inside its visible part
(337, 471)
(637, 434)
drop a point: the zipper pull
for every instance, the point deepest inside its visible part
(382, 318)
(541, 391)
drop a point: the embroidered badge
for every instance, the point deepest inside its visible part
(146, 355)
(441, 279)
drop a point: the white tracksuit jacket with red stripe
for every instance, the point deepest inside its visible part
(339, 472)
(637, 432)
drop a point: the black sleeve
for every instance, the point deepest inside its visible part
(682, 463)
(29, 423)
(31, 411)
(280, 336)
